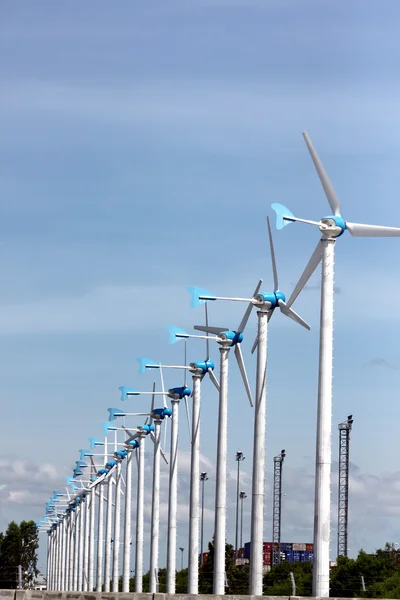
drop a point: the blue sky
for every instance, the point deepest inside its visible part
(142, 146)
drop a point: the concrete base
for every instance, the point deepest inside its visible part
(45, 595)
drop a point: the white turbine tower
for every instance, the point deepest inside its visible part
(157, 415)
(226, 339)
(266, 304)
(331, 228)
(199, 370)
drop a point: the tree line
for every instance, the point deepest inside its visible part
(374, 575)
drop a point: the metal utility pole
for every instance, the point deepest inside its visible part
(203, 478)
(277, 508)
(242, 496)
(239, 458)
(181, 549)
(343, 500)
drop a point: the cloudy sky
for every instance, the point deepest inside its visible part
(142, 146)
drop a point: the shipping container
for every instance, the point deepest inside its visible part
(247, 550)
(309, 547)
(289, 556)
(286, 547)
(309, 556)
(297, 547)
(268, 546)
(296, 556)
(267, 558)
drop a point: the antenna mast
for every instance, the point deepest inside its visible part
(343, 500)
(277, 508)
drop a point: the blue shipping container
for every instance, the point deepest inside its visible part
(309, 557)
(247, 550)
(285, 547)
(296, 556)
(289, 556)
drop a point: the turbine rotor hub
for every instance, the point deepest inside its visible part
(332, 226)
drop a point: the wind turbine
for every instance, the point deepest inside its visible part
(199, 370)
(226, 339)
(331, 227)
(157, 415)
(266, 302)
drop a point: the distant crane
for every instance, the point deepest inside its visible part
(277, 508)
(343, 499)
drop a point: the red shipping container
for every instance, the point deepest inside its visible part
(267, 546)
(309, 547)
(267, 558)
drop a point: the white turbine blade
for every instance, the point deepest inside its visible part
(289, 312)
(330, 193)
(165, 433)
(152, 404)
(308, 271)
(213, 378)
(153, 439)
(247, 314)
(163, 455)
(271, 312)
(207, 329)
(207, 341)
(185, 359)
(361, 230)
(255, 344)
(242, 368)
(137, 459)
(271, 245)
(162, 387)
(188, 416)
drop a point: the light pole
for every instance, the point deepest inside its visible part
(181, 549)
(242, 497)
(239, 458)
(203, 478)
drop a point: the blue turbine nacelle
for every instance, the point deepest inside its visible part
(110, 464)
(271, 297)
(102, 472)
(121, 454)
(133, 444)
(235, 337)
(178, 393)
(146, 428)
(202, 365)
(161, 413)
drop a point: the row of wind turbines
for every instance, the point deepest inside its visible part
(72, 518)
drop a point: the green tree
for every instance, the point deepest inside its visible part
(18, 546)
